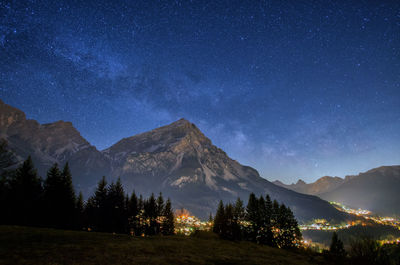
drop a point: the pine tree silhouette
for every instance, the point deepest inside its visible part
(168, 225)
(25, 195)
(219, 220)
(336, 248)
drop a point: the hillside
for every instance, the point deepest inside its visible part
(22, 245)
(376, 190)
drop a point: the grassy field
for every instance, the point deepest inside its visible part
(24, 245)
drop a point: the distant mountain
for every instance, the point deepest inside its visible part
(376, 190)
(322, 185)
(176, 159)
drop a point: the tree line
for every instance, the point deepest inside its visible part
(27, 199)
(262, 220)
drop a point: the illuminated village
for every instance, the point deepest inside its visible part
(186, 224)
(368, 216)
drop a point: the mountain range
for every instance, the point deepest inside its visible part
(376, 190)
(177, 160)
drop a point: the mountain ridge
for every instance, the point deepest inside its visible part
(176, 159)
(374, 189)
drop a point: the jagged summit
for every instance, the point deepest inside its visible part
(301, 182)
(59, 123)
(56, 142)
(9, 115)
(181, 132)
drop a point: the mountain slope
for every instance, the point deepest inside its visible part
(182, 163)
(176, 159)
(376, 190)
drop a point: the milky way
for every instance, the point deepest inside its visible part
(296, 89)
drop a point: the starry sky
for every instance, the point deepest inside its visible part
(295, 89)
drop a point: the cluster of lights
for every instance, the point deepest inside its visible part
(358, 212)
(368, 215)
(394, 241)
(322, 224)
(186, 224)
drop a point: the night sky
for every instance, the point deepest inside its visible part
(296, 89)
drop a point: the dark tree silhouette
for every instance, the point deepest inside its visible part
(96, 208)
(252, 216)
(150, 213)
(219, 220)
(25, 195)
(160, 212)
(109, 209)
(238, 218)
(115, 204)
(133, 214)
(263, 221)
(336, 248)
(168, 223)
(79, 212)
(67, 198)
(52, 197)
(269, 237)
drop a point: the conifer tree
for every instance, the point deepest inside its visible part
(275, 213)
(210, 218)
(219, 220)
(239, 211)
(289, 234)
(159, 213)
(116, 208)
(228, 225)
(67, 198)
(79, 212)
(269, 240)
(150, 210)
(238, 218)
(53, 197)
(336, 248)
(133, 212)
(141, 218)
(168, 225)
(294, 228)
(25, 199)
(97, 207)
(262, 221)
(268, 207)
(252, 216)
(160, 204)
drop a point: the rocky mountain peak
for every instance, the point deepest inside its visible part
(9, 116)
(178, 135)
(300, 182)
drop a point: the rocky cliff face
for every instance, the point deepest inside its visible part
(57, 142)
(180, 161)
(177, 160)
(181, 153)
